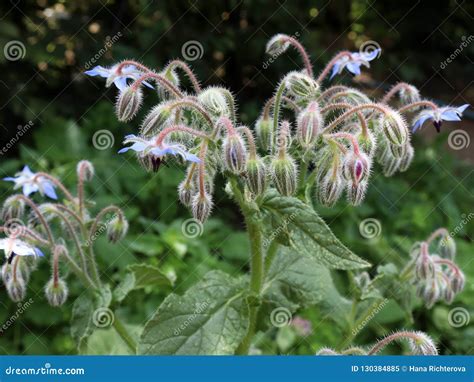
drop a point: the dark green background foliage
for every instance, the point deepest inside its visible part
(48, 88)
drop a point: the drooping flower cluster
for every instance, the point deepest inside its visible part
(436, 275)
(310, 141)
(29, 226)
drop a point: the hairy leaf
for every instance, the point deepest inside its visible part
(210, 318)
(81, 322)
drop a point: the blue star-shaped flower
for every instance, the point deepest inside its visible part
(112, 76)
(16, 247)
(447, 113)
(353, 62)
(30, 183)
(148, 147)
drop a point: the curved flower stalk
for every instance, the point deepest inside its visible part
(312, 143)
(38, 231)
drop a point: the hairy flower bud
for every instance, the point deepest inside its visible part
(16, 288)
(56, 293)
(424, 267)
(448, 294)
(422, 344)
(301, 86)
(86, 170)
(235, 153)
(214, 102)
(264, 130)
(284, 174)
(330, 189)
(6, 273)
(356, 167)
(409, 94)
(171, 75)
(457, 282)
(395, 128)
(432, 292)
(117, 228)
(128, 103)
(13, 208)
(327, 351)
(156, 119)
(277, 45)
(308, 125)
(356, 192)
(407, 158)
(447, 247)
(256, 179)
(186, 192)
(367, 143)
(201, 206)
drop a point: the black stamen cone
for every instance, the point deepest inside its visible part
(437, 125)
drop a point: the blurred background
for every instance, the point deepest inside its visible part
(46, 47)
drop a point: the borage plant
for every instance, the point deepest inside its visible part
(311, 144)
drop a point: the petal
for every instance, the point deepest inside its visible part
(420, 121)
(98, 71)
(137, 146)
(369, 56)
(335, 70)
(353, 67)
(49, 191)
(192, 158)
(9, 179)
(461, 109)
(29, 188)
(450, 115)
(38, 252)
(120, 83)
(147, 84)
(22, 249)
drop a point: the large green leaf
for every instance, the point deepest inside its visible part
(81, 321)
(309, 233)
(210, 318)
(148, 275)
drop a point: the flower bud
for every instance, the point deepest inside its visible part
(327, 351)
(6, 273)
(13, 208)
(457, 282)
(171, 75)
(150, 163)
(186, 192)
(16, 288)
(424, 267)
(389, 163)
(214, 102)
(409, 94)
(356, 167)
(407, 158)
(284, 174)
(396, 150)
(277, 45)
(395, 128)
(447, 247)
(422, 345)
(356, 192)
(156, 118)
(256, 179)
(448, 294)
(235, 153)
(56, 293)
(432, 292)
(85, 169)
(264, 130)
(117, 228)
(201, 206)
(128, 103)
(308, 125)
(330, 189)
(367, 143)
(301, 86)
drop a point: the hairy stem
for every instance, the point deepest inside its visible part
(188, 71)
(330, 64)
(124, 334)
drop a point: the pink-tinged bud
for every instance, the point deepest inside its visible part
(395, 128)
(447, 247)
(13, 208)
(432, 292)
(356, 192)
(301, 86)
(201, 206)
(424, 266)
(448, 294)
(128, 103)
(407, 158)
(422, 344)
(308, 125)
(117, 228)
(264, 130)
(284, 174)
(156, 119)
(409, 94)
(356, 167)
(256, 178)
(458, 281)
(86, 170)
(330, 189)
(235, 153)
(16, 289)
(277, 45)
(186, 192)
(56, 293)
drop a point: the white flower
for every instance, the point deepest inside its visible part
(30, 183)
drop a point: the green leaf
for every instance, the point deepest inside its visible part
(148, 275)
(81, 322)
(148, 244)
(210, 318)
(309, 233)
(124, 288)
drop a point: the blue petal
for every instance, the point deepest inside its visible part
(420, 121)
(450, 115)
(335, 70)
(147, 85)
(369, 56)
(27, 170)
(38, 252)
(121, 82)
(98, 71)
(353, 67)
(49, 191)
(9, 179)
(137, 146)
(29, 188)
(192, 158)
(461, 109)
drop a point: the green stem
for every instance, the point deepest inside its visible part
(271, 252)
(276, 107)
(124, 334)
